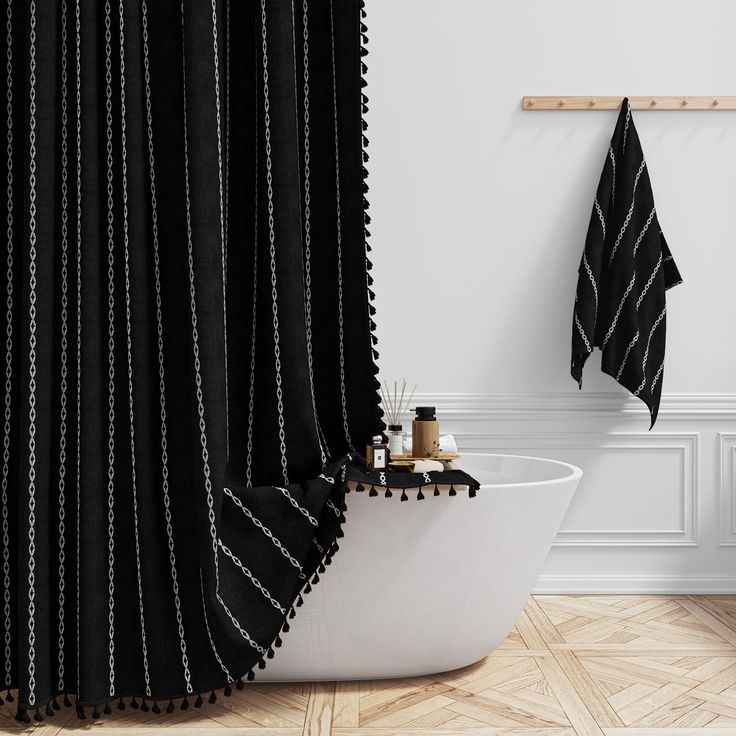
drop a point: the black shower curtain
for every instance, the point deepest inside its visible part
(188, 357)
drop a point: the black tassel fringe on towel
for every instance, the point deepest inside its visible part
(423, 483)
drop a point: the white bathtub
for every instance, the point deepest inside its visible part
(428, 586)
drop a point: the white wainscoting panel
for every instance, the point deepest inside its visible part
(621, 469)
(655, 510)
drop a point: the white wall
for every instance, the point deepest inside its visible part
(479, 217)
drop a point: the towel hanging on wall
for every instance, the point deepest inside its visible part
(624, 273)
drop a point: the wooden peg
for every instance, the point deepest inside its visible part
(684, 102)
(715, 102)
(532, 101)
(593, 101)
(653, 103)
(562, 101)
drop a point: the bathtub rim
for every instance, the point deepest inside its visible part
(575, 473)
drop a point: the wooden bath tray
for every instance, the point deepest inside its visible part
(439, 456)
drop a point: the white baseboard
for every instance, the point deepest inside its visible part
(634, 585)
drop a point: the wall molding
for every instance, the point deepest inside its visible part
(633, 584)
(687, 443)
(576, 405)
(727, 489)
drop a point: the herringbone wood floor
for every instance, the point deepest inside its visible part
(573, 665)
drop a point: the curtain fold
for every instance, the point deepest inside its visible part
(188, 347)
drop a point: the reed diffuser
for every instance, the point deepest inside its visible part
(395, 405)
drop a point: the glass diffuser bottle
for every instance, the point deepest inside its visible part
(395, 404)
(395, 440)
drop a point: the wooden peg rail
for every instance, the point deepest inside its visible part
(637, 103)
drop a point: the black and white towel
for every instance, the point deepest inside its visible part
(624, 273)
(378, 482)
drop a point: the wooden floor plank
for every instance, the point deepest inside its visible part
(595, 701)
(669, 732)
(573, 705)
(626, 650)
(179, 731)
(318, 720)
(512, 708)
(712, 616)
(347, 705)
(417, 710)
(547, 632)
(454, 731)
(529, 633)
(405, 699)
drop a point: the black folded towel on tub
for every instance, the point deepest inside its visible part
(358, 478)
(624, 272)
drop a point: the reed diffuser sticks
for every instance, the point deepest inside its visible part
(394, 404)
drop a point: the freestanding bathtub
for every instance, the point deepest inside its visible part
(429, 586)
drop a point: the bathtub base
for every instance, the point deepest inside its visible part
(426, 586)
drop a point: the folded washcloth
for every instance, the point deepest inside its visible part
(624, 273)
(447, 443)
